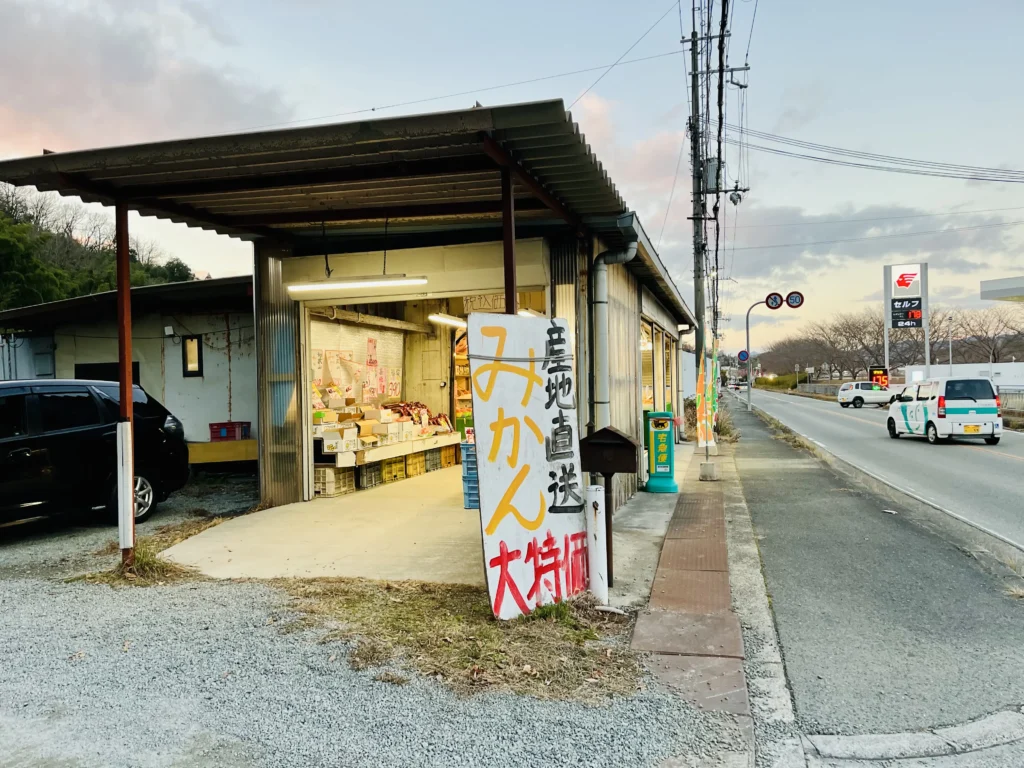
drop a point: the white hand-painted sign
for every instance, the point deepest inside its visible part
(532, 489)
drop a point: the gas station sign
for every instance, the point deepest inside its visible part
(879, 376)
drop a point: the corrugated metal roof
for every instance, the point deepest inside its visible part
(424, 167)
(342, 181)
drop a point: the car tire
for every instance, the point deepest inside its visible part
(893, 433)
(932, 434)
(991, 441)
(858, 402)
(845, 405)
(145, 489)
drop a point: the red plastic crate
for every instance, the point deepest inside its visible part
(229, 430)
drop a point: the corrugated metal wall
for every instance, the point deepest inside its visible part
(566, 293)
(623, 346)
(278, 372)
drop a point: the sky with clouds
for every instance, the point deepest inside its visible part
(927, 79)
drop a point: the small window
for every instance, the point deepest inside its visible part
(969, 389)
(909, 393)
(924, 392)
(12, 416)
(67, 410)
(191, 356)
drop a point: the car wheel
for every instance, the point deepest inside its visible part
(146, 500)
(892, 429)
(858, 402)
(933, 434)
(992, 441)
(845, 405)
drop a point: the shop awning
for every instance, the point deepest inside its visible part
(437, 167)
(420, 179)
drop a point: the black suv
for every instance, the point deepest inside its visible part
(58, 449)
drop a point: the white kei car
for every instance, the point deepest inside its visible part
(945, 407)
(857, 393)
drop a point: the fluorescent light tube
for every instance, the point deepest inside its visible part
(441, 319)
(357, 284)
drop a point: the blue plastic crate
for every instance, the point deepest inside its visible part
(470, 500)
(468, 451)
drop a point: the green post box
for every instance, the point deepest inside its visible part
(661, 450)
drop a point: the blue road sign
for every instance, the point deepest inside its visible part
(743, 356)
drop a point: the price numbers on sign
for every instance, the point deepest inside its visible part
(774, 300)
(879, 376)
(907, 313)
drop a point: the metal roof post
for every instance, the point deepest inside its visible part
(126, 469)
(508, 234)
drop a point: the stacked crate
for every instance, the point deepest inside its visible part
(393, 469)
(370, 475)
(470, 478)
(432, 459)
(415, 464)
(333, 481)
(448, 456)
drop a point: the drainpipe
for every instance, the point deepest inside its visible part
(602, 369)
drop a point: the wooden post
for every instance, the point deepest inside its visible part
(126, 469)
(508, 231)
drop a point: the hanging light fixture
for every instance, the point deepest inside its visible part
(529, 313)
(443, 319)
(357, 283)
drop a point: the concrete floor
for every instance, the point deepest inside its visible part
(414, 529)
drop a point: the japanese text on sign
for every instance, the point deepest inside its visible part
(531, 484)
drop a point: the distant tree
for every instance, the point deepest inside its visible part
(24, 279)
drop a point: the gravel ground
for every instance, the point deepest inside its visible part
(66, 546)
(197, 674)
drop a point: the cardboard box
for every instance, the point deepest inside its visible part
(335, 402)
(383, 415)
(318, 430)
(410, 430)
(366, 427)
(393, 428)
(325, 416)
(350, 444)
(367, 441)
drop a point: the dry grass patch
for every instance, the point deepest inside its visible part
(1015, 591)
(447, 631)
(149, 569)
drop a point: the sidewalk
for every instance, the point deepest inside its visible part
(690, 630)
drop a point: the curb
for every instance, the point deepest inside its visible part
(993, 542)
(996, 730)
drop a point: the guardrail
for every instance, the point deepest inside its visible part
(1012, 401)
(819, 389)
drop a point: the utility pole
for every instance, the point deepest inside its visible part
(698, 198)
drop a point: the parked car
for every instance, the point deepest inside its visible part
(857, 393)
(945, 407)
(58, 449)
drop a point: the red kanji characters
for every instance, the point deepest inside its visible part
(505, 580)
(547, 559)
(577, 567)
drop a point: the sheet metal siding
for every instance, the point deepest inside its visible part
(655, 310)
(565, 294)
(623, 348)
(278, 374)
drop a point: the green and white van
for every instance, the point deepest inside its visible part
(946, 407)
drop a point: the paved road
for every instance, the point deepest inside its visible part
(979, 482)
(884, 626)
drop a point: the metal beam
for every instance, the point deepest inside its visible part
(508, 236)
(497, 153)
(381, 212)
(111, 195)
(347, 316)
(444, 166)
(124, 357)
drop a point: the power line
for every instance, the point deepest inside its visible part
(883, 168)
(634, 45)
(881, 237)
(881, 218)
(672, 192)
(746, 59)
(428, 99)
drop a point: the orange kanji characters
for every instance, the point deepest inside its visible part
(505, 580)
(506, 507)
(494, 367)
(498, 428)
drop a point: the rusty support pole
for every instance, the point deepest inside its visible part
(125, 486)
(508, 231)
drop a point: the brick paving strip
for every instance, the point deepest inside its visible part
(689, 629)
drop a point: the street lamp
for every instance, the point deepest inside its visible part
(774, 300)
